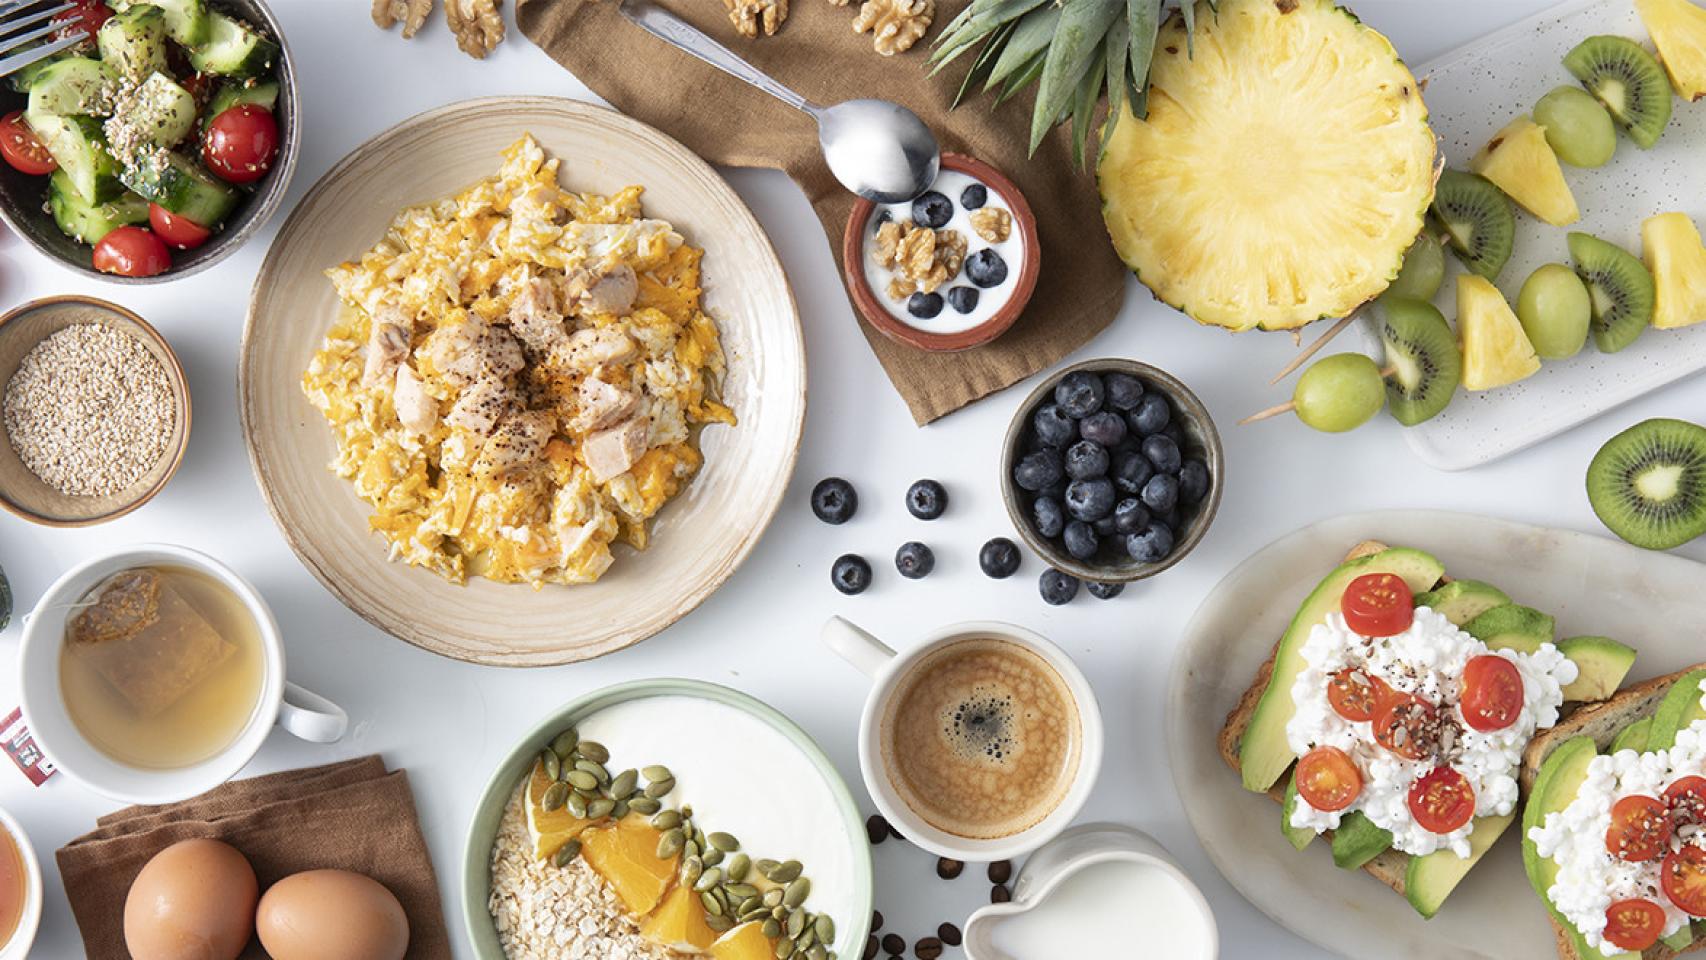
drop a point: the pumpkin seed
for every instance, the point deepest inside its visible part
(691, 868)
(779, 912)
(725, 842)
(699, 838)
(825, 927)
(796, 892)
(582, 780)
(658, 789)
(765, 865)
(751, 915)
(719, 924)
(773, 898)
(713, 857)
(771, 929)
(552, 765)
(554, 797)
(708, 879)
(600, 808)
(564, 743)
(796, 924)
(656, 771)
(713, 906)
(785, 872)
(737, 867)
(620, 810)
(807, 938)
(686, 808)
(594, 751)
(741, 890)
(595, 768)
(645, 806)
(566, 853)
(623, 786)
(577, 805)
(748, 904)
(670, 844)
(692, 848)
(784, 949)
(817, 952)
(667, 820)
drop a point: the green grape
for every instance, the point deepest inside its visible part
(1422, 273)
(1577, 126)
(1339, 393)
(1554, 309)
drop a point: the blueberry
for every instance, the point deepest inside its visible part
(1085, 459)
(974, 196)
(1163, 454)
(1053, 426)
(1124, 390)
(1130, 516)
(1105, 427)
(1090, 500)
(1081, 540)
(962, 299)
(914, 560)
(834, 500)
(883, 217)
(1172, 520)
(1105, 527)
(932, 210)
(1105, 591)
(1131, 470)
(1159, 494)
(1193, 481)
(1079, 394)
(986, 268)
(1057, 588)
(926, 499)
(851, 574)
(1055, 490)
(1151, 544)
(1038, 470)
(1049, 516)
(1150, 415)
(924, 305)
(1173, 432)
(999, 558)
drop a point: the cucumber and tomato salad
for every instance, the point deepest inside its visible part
(142, 158)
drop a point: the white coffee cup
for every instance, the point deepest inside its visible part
(886, 668)
(306, 715)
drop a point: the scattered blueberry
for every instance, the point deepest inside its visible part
(1193, 481)
(1081, 540)
(851, 574)
(1151, 544)
(1160, 493)
(1053, 425)
(962, 299)
(986, 268)
(1131, 470)
(1105, 427)
(914, 560)
(1124, 390)
(932, 210)
(1163, 453)
(1038, 470)
(1057, 588)
(1090, 500)
(1085, 459)
(1049, 515)
(974, 196)
(999, 558)
(1150, 415)
(1105, 591)
(1130, 516)
(924, 305)
(834, 500)
(1079, 394)
(926, 499)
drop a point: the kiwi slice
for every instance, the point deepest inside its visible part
(1648, 483)
(1621, 74)
(1478, 221)
(1620, 290)
(1423, 353)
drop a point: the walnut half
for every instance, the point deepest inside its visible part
(749, 16)
(412, 13)
(477, 24)
(895, 25)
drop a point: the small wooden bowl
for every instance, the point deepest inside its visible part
(871, 307)
(24, 493)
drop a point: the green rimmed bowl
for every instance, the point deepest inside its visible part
(488, 813)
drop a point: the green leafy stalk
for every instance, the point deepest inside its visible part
(1077, 40)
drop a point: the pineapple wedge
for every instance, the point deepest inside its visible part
(1496, 351)
(1678, 29)
(1671, 246)
(1520, 162)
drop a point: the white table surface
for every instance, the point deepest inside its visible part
(447, 723)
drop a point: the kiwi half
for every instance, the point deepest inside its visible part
(1422, 350)
(1478, 221)
(1621, 74)
(1620, 290)
(1648, 483)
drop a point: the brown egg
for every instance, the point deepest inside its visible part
(331, 915)
(194, 901)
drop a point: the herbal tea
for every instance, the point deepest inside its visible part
(161, 667)
(14, 886)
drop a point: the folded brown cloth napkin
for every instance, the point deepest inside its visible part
(351, 815)
(817, 53)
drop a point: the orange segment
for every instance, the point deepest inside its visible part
(745, 942)
(626, 856)
(679, 923)
(548, 830)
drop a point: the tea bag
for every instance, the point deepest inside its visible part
(149, 643)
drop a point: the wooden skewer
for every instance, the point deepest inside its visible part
(1289, 406)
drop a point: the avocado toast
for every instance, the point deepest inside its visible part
(1479, 619)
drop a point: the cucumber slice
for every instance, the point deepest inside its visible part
(75, 85)
(86, 222)
(234, 94)
(234, 49)
(26, 77)
(181, 187)
(81, 150)
(133, 43)
(161, 113)
(186, 20)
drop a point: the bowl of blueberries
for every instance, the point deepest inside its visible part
(1111, 472)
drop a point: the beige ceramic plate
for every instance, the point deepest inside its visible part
(699, 539)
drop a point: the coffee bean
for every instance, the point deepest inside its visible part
(871, 947)
(1000, 894)
(928, 948)
(948, 869)
(1001, 871)
(876, 920)
(894, 943)
(877, 829)
(949, 934)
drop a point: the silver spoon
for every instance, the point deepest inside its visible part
(877, 149)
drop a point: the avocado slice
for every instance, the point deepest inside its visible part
(1263, 753)
(1461, 601)
(1633, 737)
(1560, 776)
(1679, 940)
(1430, 879)
(1298, 837)
(1601, 664)
(1679, 708)
(1512, 626)
(1357, 840)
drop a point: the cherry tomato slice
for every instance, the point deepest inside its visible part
(178, 233)
(1687, 801)
(1640, 828)
(1378, 605)
(1683, 877)
(241, 143)
(22, 149)
(1634, 924)
(132, 252)
(84, 17)
(1354, 693)
(1441, 800)
(1407, 725)
(1328, 779)
(1491, 696)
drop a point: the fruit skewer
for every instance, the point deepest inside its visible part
(1292, 404)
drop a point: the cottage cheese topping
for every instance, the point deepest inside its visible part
(1427, 660)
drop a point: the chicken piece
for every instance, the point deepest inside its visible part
(610, 290)
(481, 405)
(474, 350)
(600, 404)
(587, 350)
(535, 318)
(387, 344)
(520, 440)
(610, 453)
(417, 410)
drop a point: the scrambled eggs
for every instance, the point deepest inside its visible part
(518, 376)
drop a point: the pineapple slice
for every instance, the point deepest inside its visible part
(1520, 162)
(1678, 29)
(1496, 351)
(1672, 249)
(679, 923)
(1282, 171)
(745, 942)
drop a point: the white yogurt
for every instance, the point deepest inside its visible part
(1099, 910)
(949, 183)
(741, 776)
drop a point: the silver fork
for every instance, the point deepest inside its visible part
(19, 45)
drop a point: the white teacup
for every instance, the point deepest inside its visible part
(304, 714)
(886, 669)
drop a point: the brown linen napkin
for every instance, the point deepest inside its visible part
(350, 815)
(817, 53)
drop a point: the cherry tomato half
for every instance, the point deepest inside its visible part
(1687, 801)
(1378, 605)
(132, 252)
(1491, 695)
(1684, 878)
(21, 147)
(1354, 693)
(85, 17)
(241, 143)
(1407, 725)
(1441, 800)
(178, 233)
(1634, 924)
(1640, 828)
(1328, 779)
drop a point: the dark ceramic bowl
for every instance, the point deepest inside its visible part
(23, 198)
(1200, 441)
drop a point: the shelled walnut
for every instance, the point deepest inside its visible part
(921, 258)
(478, 25)
(992, 223)
(750, 16)
(895, 25)
(412, 14)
